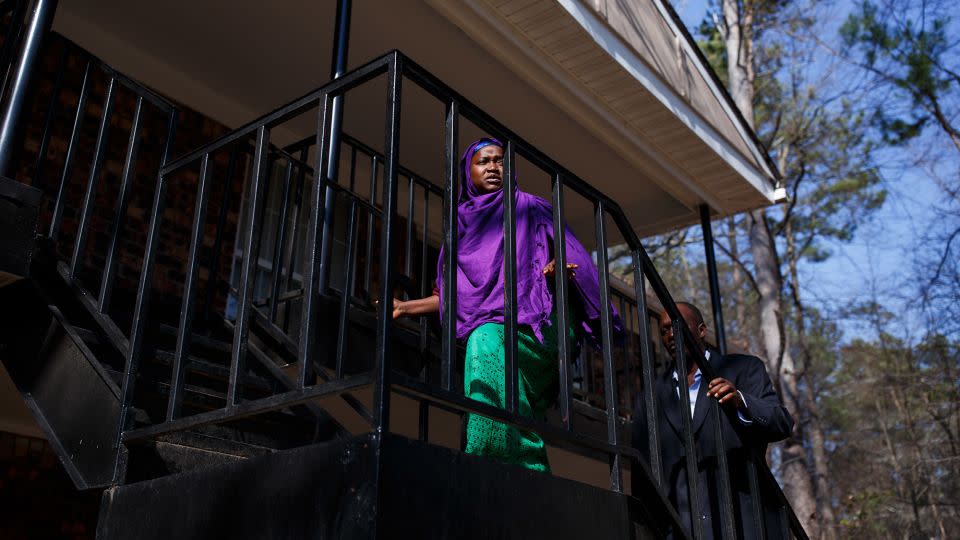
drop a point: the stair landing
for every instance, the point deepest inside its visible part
(370, 487)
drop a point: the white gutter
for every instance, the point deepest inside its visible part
(604, 36)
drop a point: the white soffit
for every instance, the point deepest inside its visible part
(566, 93)
(521, 52)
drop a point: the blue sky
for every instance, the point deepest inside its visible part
(879, 261)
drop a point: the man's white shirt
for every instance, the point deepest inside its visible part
(694, 390)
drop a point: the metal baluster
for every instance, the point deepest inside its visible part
(423, 417)
(756, 505)
(248, 268)
(408, 248)
(697, 506)
(451, 192)
(141, 309)
(126, 184)
(726, 494)
(312, 253)
(381, 387)
(511, 374)
(646, 359)
(425, 288)
(180, 360)
(626, 350)
(348, 280)
(368, 264)
(71, 151)
(218, 239)
(278, 242)
(723, 472)
(562, 303)
(88, 199)
(269, 181)
(52, 111)
(294, 239)
(606, 325)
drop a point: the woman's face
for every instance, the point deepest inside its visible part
(486, 169)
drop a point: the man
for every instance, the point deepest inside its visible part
(751, 416)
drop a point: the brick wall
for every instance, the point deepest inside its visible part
(192, 130)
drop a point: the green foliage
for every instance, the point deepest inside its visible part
(897, 131)
(860, 511)
(713, 48)
(895, 409)
(826, 153)
(909, 52)
(907, 47)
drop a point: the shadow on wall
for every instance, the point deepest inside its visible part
(37, 499)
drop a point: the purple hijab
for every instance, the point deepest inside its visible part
(480, 261)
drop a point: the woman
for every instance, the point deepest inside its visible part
(480, 304)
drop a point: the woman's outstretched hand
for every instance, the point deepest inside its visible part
(398, 310)
(414, 308)
(550, 269)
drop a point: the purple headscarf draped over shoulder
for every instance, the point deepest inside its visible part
(480, 267)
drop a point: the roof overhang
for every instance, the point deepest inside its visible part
(617, 67)
(616, 96)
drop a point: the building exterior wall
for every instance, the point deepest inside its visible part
(193, 129)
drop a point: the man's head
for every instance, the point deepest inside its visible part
(694, 319)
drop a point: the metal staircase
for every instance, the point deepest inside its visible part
(220, 331)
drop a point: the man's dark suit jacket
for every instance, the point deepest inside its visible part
(770, 422)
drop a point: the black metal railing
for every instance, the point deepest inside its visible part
(307, 278)
(98, 301)
(361, 208)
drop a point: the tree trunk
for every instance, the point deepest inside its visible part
(812, 427)
(688, 285)
(742, 336)
(797, 483)
(796, 478)
(739, 45)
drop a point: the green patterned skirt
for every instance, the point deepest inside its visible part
(538, 384)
